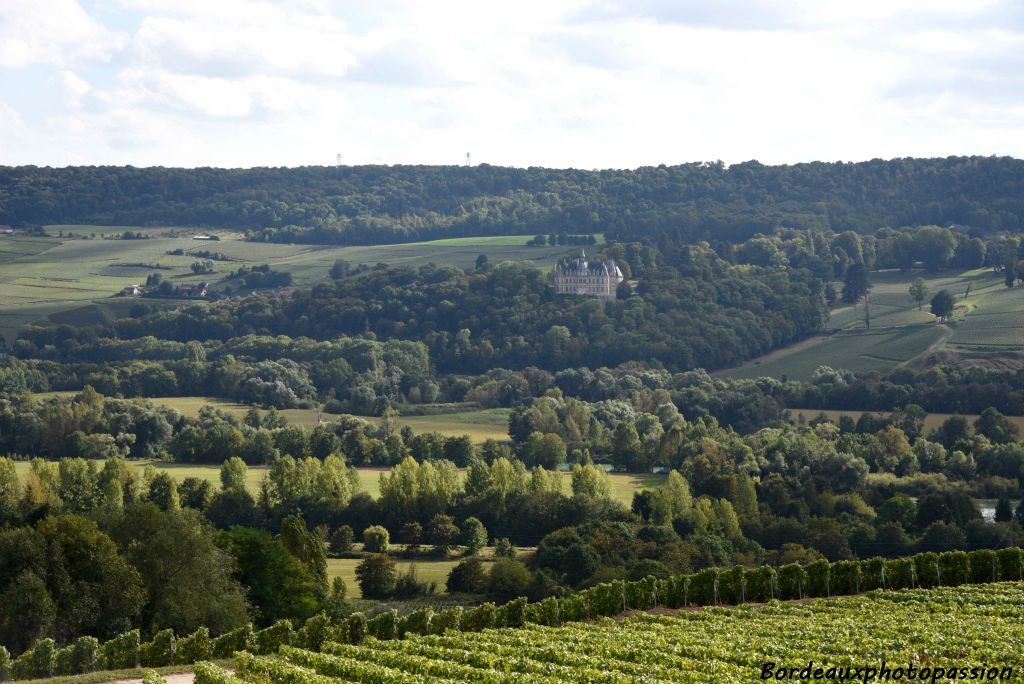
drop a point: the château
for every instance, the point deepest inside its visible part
(589, 278)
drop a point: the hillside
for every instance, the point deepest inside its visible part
(382, 204)
(880, 629)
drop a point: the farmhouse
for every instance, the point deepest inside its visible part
(589, 278)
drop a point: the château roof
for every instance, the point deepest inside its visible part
(580, 266)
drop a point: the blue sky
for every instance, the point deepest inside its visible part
(580, 83)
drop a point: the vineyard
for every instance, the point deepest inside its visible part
(979, 626)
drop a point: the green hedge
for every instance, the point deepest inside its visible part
(761, 583)
(982, 566)
(122, 652)
(160, 651)
(872, 574)
(511, 614)
(732, 588)
(417, 622)
(384, 625)
(953, 568)
(607, 599)
(845, 577)
(1011, 564)
(35, 663)
(82, 655)
(314, 632)
(704, 587)
(270, 639)
(573, 608)
(819, 579)
(792, 581)
(640, 594)
(543, 612)
(194, 647)
(449, 618)
(208, 673)
(480, 618)
(229, 643)
(926, 570)
(900, 574)
(357, 628)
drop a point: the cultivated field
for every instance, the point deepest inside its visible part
(989, 318)
(45, 277)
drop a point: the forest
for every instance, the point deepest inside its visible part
(386, 204)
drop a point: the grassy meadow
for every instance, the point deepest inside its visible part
(989, 318)
(70, 273)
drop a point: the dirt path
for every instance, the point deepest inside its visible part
(175, 678)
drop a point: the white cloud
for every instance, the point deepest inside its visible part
(589, 83)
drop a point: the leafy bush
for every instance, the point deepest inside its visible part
(512, 614)
(62, 665)
(899, 574)
(926, 569)
(416, 622)
(479, 618)
(376, 539)
(640, 594)
(872, 574)
(122, 652)
(314, 632)
(606, 599)
(35, 663)
(384, 625)
(953, 568)
(160, 651)
(819, 578)
(270, 639)
(151, 677)
(449, 618)
(845, 577)
(229, 643)
(208, 673)
(983, 567)
(792, 581)
(357, 628)
(675, 591)
(731, 587)
(1011, 564)
(704, 587)
(573, 608)
(194, 647)
(760, 583)
(543, 612)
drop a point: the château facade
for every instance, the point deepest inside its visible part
(589, 278)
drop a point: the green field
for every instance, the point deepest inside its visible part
(427, 570)
(44, 278)
(989, 319)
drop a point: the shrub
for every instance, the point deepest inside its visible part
(376, 539)
(270, 639)
(704, 587)
(342, 540)
(953, 568)
(85, 655)
(675, 591)
(314, 633)
(640, 593)
(899, 574)
(357, 629)
(606, 599)
(512, 614)
(384, 625)
(508, 579)
(194, 647)
(760, 583)
(151, 677)
(229, 643)
(468, 576)
(208, 673)
(416, 622)
(5, 664)
(983, 567)
(35, 663)
(62, 665)
(819, 579)
(1011, 564)
(926, 569)
(872, 574)
(845, 578)
(479, 618)
(731, 588)
(543, 612)
(449, 618)
(503, 548)
(792, 581)
(122, 652)
(573, 608)
(160, 651)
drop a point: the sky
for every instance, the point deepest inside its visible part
(558, 83)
